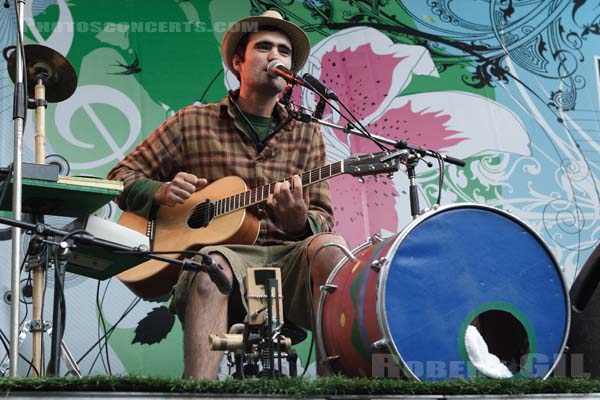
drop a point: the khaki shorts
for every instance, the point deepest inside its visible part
(290, 258)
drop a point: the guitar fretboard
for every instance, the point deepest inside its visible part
(261, 193)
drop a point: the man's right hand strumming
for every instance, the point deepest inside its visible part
(179, 189)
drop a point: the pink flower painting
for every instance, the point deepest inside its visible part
(369, 72)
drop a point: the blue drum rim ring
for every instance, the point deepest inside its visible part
(382, 316)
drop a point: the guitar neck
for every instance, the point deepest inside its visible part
(261, 193)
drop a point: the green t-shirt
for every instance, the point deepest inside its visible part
(260, 125)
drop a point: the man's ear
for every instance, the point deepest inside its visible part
(236, 62)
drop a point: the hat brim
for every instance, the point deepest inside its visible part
(299, 40)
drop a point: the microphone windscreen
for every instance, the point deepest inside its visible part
(271, 67)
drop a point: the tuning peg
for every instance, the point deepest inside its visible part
(376, 178)
(361, 180)
(390, 175)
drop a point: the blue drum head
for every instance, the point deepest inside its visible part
(469, 265)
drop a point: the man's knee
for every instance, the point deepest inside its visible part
(326, 251)
(326, 239)
(202, 285)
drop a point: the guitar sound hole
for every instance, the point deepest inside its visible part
(201, 215)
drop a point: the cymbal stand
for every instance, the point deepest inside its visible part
(39, 271)
(52, 79)
(65, 352)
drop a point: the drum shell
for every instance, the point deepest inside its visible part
(354, 326)
(428, 272)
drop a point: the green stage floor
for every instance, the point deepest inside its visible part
(102, 387)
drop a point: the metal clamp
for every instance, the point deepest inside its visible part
(375, 239)
(38, 325)
(328, 288)
(330, 359)
(377, 264)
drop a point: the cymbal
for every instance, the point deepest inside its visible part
(57, 73)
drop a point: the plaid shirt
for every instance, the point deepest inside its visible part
(209, 142)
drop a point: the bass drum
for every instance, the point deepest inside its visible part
(405, 305)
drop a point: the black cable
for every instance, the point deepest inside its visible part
(109, 333)
(21, 48)
(6, 182)
(312, 312)
(441, 166)
(362, 129)
(125, 313)
(62, 304)
(27, 282)
(201, 100)
(101, 314)
(98, 332)
(106, 337)
(23, 301)
(5, 340)
(139, 252)
(4, 343)
(6, 347)
(61, 299)
(12, 295)
(43, 300)
(29, 279)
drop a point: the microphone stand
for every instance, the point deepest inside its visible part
(401, 145)
(19, 109)
(62, 249)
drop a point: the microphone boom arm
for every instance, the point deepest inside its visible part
(398, 144)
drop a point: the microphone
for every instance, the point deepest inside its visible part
(214, 271)
(277, 68)
(320, 87)
(217, 276)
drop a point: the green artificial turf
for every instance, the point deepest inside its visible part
(296, 387)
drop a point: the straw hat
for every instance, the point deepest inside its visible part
(300, 43)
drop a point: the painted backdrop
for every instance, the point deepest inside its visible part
(511, 86)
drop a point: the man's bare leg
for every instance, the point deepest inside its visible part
(324, 263)
(206, 313)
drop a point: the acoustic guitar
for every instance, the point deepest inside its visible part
(217, 215)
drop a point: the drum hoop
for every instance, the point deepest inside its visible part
(380, 304)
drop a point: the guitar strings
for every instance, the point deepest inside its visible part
(229, 204)
(307, 177)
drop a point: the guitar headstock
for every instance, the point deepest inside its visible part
(372, 163)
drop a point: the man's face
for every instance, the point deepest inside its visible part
(263, 47)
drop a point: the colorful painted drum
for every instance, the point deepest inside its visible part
(402, 308)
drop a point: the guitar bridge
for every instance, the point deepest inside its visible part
(150, 225)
